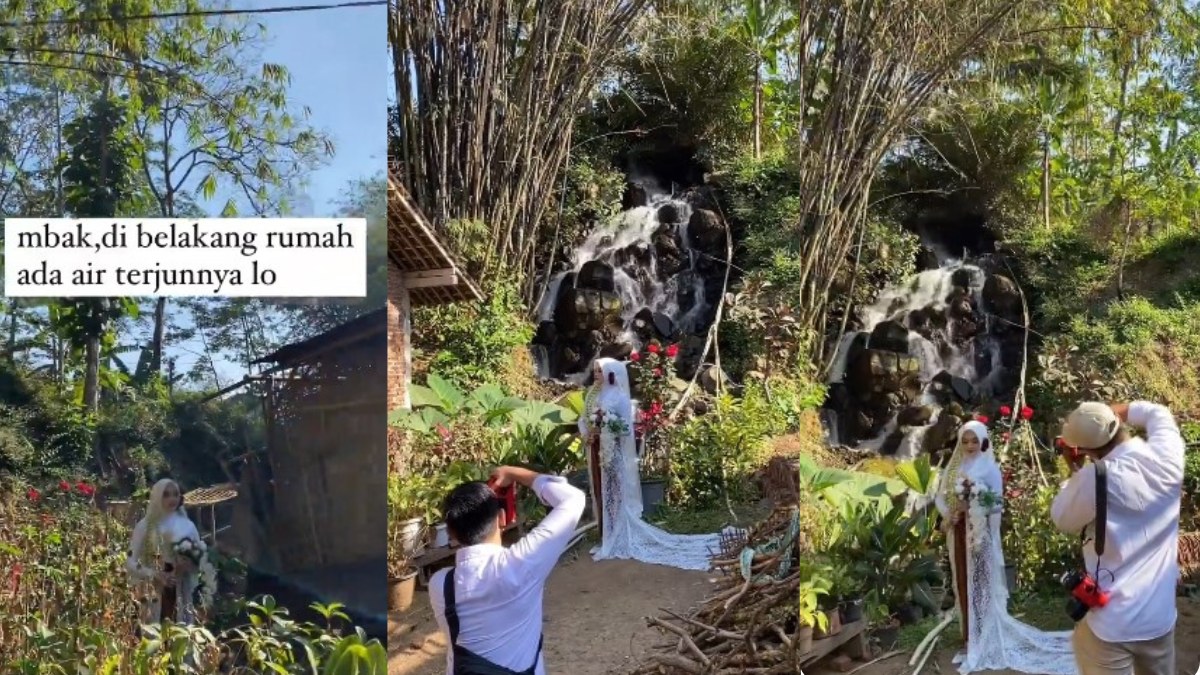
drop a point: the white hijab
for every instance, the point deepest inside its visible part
(980, 467)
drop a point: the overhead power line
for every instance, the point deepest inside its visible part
(180, 15)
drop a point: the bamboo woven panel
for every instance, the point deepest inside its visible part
(208, 496)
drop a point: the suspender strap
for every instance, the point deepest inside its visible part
(465, 659)
(451, 607)
(1101, 525)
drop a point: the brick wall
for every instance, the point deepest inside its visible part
(398, 332)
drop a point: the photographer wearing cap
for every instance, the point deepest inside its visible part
(490, 602)
(1130, 627)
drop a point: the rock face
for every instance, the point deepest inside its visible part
(927, 352)
(651, 274)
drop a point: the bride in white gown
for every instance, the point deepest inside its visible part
(624, 534)
(994, 639)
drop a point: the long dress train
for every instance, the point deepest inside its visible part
(623, 532)
(995, 640)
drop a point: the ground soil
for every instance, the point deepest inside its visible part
(594, 623)
(593, 618)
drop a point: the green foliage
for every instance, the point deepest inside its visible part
(716, 453)
(469, 344)
(891, 552)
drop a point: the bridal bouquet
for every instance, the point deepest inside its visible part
(981, 504)
(197, 552)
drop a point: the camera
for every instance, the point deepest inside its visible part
(1085, 593)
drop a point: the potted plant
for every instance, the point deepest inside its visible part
(653, 475)
(406, 512)
(402, 582)
(809, 616)
(848, 590)
(886, 629)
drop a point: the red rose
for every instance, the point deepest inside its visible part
(64, 486)
(982, 419)
(658, 372)
(1004, 437)
(1026, 413)
(33, 495)
(634, 356)
(1005, 411)
(85, 489)
(653, 348)
(672, 350)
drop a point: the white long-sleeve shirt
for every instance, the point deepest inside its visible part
(498, 591)
(1145, 481)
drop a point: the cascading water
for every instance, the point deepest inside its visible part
(929, 350)
(646, 274)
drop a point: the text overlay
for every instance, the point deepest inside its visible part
(233, 257)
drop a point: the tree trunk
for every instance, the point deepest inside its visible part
(1046, 179)
(91, 380)
(1128, 213)
(758, 109)
(156, 346)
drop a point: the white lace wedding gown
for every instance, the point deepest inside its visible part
(625, 535)
(996, 640)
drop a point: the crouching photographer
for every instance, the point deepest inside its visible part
(1124, 504)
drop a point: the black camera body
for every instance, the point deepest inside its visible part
(1085, 593)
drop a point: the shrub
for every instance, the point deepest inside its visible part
(714, 455)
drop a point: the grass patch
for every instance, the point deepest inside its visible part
(1042, 610)
(707, 520)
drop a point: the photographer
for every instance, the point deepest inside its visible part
(490, 602)
(1129, 625)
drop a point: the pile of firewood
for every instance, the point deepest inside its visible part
(746, 626)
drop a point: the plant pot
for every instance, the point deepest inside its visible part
(400, 591)
(1010, 577)
(887, 637)
(835, 625)
(852, 610)
(441, 536)
(909, 614)
(804, 640)
(410, 537)
(654, 492)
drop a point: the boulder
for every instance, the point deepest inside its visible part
(891, 336)
(546, 333)
(926, 259)
(710, 376)
(943, 433)
(706, 231)
(671, 260)
(619, 351)
(915, 416)
(952, 387)
(635, 196)
(876, 371)
(892, 443)
(961, 278)
(1000, 295)
(583, 309)
(669, 213)
(596, 275)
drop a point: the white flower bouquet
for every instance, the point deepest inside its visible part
(197, 552)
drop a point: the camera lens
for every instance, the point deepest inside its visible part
(1070, 580)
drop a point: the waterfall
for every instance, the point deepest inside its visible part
(643, 275)
(935, 343)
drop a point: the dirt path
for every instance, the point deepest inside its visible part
(593, 618)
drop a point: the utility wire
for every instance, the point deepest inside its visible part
(180, 15)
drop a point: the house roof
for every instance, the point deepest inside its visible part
(435, 276)
(351, 332)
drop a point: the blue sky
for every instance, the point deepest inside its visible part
(338, 61)
(339, 69)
